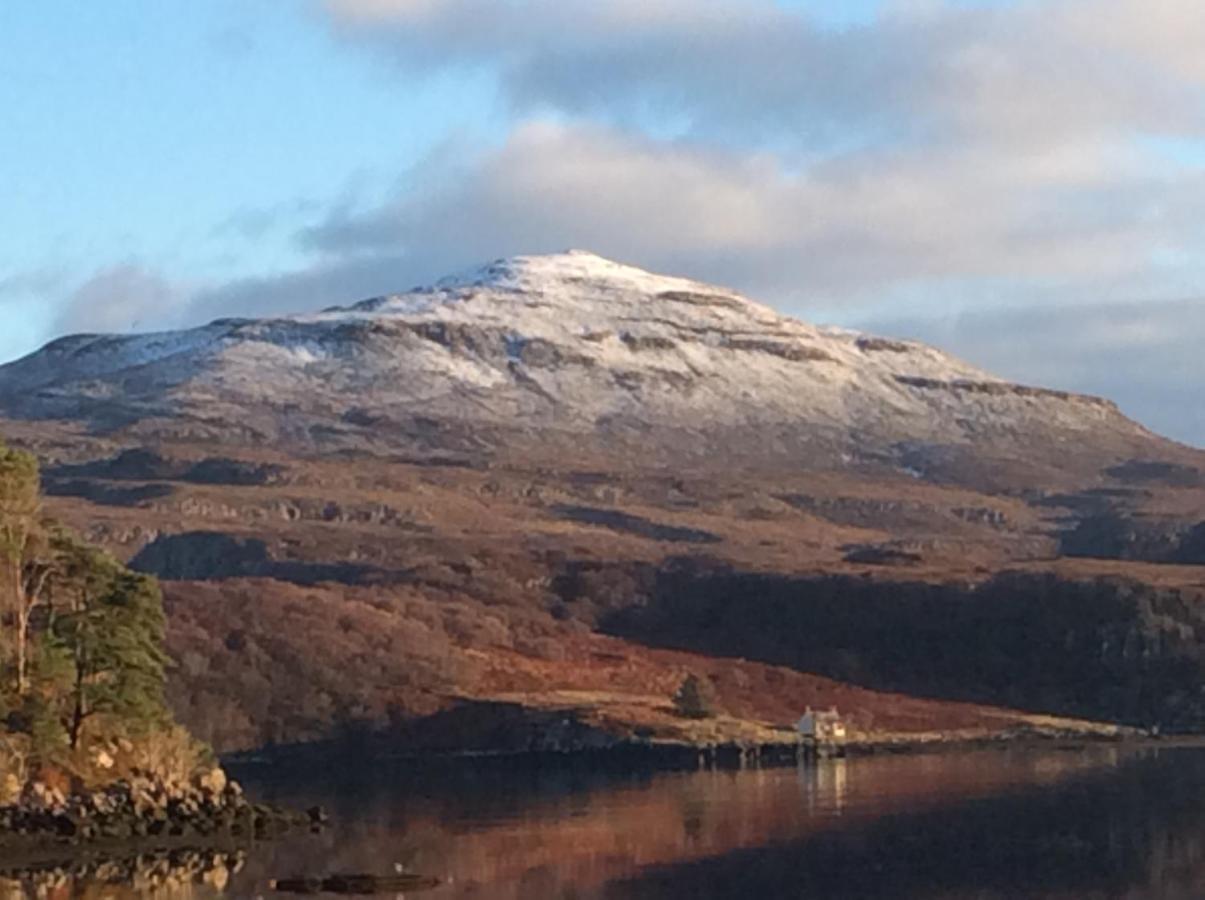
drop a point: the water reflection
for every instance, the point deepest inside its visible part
(178, 874)
(573, 834)
(1105, 822)
(1134, 831)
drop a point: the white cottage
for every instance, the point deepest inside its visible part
(821, 726)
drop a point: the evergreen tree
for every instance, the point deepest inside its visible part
(81, 636)
(110, 632)
(693, 700)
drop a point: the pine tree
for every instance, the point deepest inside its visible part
(693, 700)
(81, 636)
(110, 629)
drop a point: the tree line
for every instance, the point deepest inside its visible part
(81, 636)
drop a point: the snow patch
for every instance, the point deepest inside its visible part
(610, 340)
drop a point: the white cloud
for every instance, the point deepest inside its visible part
(122, 298)
(841, 230)
(1145, 356)
(940, 141)
(1025, 71)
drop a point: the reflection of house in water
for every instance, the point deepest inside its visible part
(825, 785)
(821, 727)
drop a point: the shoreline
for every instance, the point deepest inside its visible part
(42, 852)
(129, 817)
(670, 756)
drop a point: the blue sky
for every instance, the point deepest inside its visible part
(191, 138)
(958, 171)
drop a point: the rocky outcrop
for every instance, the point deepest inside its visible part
(883, 345)
(637, 525)
(202, 554)
(210, 555)
(792, 352)
(137, 464)
(1148, 471)
(1120, 535)
(879, 512)
(106, 494)
(219, 470)
(1002, 389)
(139, 807)
(880, 555)
(140, 464)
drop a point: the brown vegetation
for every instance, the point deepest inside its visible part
(370, 590)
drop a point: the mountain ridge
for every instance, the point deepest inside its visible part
(567, 344)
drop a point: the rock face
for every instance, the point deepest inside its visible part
(559, 349)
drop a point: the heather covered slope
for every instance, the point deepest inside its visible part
(559, 482)
(312, 598)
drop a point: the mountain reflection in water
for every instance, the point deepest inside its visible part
(1100, 822)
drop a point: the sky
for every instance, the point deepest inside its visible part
(1021, 182)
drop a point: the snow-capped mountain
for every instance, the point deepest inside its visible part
(569, 347)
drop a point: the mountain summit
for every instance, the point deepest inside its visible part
(565, 350)
(559, 477)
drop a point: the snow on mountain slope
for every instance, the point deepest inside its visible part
(568, 343)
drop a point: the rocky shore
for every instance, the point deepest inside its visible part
(143, 807)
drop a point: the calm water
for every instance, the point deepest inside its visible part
(1105, 822)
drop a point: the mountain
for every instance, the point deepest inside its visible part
(555, 485)
(554, 351)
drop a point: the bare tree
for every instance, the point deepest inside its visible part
(23, 576)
